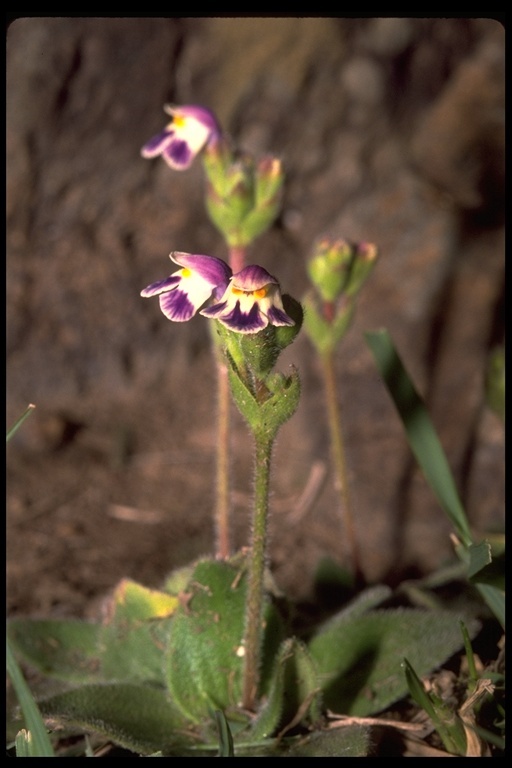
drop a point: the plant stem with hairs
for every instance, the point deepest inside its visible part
(255, 591)
(339, 461)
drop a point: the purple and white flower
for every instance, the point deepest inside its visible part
(185, 291)
(251, 302)
(190, 130)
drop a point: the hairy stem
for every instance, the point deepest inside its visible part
(255, 592)
(340, 464)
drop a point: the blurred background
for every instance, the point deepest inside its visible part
(390, 130)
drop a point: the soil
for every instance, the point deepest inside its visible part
(391, 130)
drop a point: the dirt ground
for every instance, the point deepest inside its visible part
(390, 130)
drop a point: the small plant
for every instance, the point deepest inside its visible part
(214, 661)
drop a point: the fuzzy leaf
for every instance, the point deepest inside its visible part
(282, 398)
(134, 636)
(352, 741)
(360, 658)
(63, 649)
(205, 652)
(281, 405)
(294, 687)
(137, 717)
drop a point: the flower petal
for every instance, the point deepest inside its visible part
(158, 144)
(162, 285)
(178, 154)
(215, 310)
(176, 306)
(212, 270)
(201, 115)
(242, 322)
(251, 301)
(252, 278)
(278, 316)
(185, 291)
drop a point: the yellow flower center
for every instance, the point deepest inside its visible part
(260, 293)
(185, 272)
(178, 121)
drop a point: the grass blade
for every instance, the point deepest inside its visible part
(430, 456)
(37, 742)
(225, 737)
(421, 434)
(20, 421)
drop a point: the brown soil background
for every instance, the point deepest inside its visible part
(390, 130)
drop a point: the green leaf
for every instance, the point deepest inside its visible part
(243, 397)
(294, 694)
(63, 649)
(479, 557)
(24, 745)
(282, 395)
(351, 741)
(225, 737)
(35, 741)
(134, 636)
(495, 382)
(205, 651)
(359, 656)
(282, 403)
(420, 431)
(495, 599)
(284, 335)
(431, 458)
(446, 722)
(136, 717)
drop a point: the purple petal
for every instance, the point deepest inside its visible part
(215, 310)
(212, 270)
(244, 322)
(252, 278)
(178, 155)
(279, 317)
(203, 115)
(161, 286)
(176, 306)
(157, 144)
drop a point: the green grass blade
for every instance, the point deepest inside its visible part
(430, 456)
(495, 599)
(225, 737)
(20, 421)
(420, 431)
(38, 743)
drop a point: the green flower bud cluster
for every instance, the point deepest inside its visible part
(243, 195)
(337, 271)
(264, 397)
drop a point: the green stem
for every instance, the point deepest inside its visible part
(255, 592)
(340, 464)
